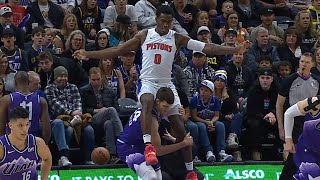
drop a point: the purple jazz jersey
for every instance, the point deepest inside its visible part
(130, 140)
(31, 102)
(308, 148)
(18, 164)
(309, 116)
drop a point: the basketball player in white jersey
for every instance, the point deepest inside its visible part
(159, 46)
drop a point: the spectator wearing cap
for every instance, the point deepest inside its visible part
(248, 11)
(185, 14)
(229, 112)
(260, 47)
(89, 18)
(229, 39)
(130, 74)
(44, 13)
(197, 71)
(146, 14)
(204, 35)
(205, 111)
(280, 7)
(18, 59)
(261, 111)
(17, 9)
(202, 19)
(6, 21)
(121, 7)
(240, 77)
(276, 33)
(65, 101)
(232, 23)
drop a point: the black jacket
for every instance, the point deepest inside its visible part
(285, 54)
(89, 100)
(254, 19)
(55, 15)
(76, 75)
(261, 102)
(236, 86)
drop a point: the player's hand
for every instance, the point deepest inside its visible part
(188, 140)
(80, 54)
(289, 146)
(168, 136)
(242, 47)
(281, 133)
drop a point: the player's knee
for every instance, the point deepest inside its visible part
(147, 101)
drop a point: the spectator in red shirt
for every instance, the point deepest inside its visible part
(18, 11)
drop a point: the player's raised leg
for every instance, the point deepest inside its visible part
(147, 100)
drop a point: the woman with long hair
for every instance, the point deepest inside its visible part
(292, 49)
(184, 13)
(89, 18)
(69, 25)
(303, 24)
(6, 73)
(232, 22)
(230, 115)
(112, 77)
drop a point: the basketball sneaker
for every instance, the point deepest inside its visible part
(192, 176)
(150, 155)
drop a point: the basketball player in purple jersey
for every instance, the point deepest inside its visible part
(130, 145)
(37, 107)
(306, 151)
(20, 152)
(159, 46)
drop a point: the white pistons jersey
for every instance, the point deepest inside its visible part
(158, 53)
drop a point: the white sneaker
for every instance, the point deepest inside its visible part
(76, 120)
(232, 141)
(210, 157)
(64, 161)
(223, 157)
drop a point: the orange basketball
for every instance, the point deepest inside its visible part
(100, 155)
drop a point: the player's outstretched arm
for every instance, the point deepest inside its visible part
(131, 45)
(45, 121)
(45, 155)
(163, 150)
(4, 108)
(209, 48)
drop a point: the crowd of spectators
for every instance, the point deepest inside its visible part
(280, 67)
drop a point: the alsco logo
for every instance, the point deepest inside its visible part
(245, 174)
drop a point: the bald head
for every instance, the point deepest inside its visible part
(34, 81)
(21, 79)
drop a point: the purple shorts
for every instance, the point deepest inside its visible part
(132, 155)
